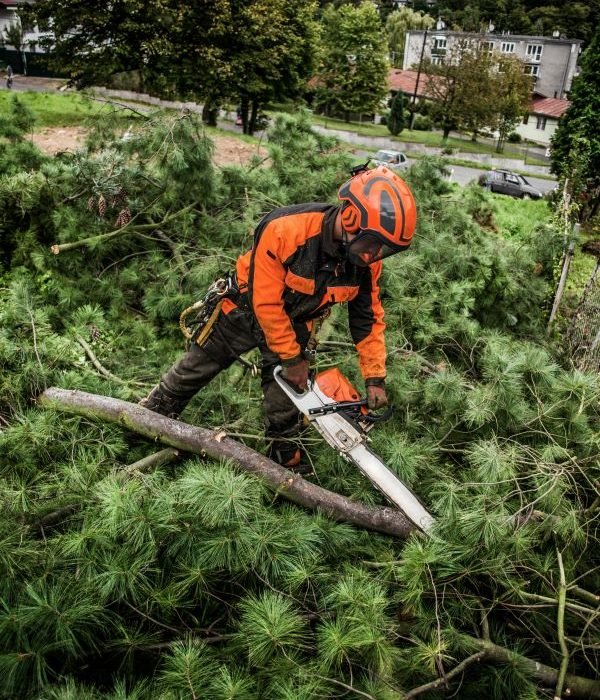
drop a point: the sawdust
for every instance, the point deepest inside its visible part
(228, 149)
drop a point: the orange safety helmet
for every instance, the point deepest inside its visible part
(379, 207)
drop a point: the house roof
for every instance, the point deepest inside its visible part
(549, 106)
(405, 81)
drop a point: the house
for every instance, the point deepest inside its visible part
(551, 61)
(9, 11)
(541, 122)
(30, 57)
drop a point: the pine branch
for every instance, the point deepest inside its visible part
(175, 250)
(97, 364)
(474, 658)
(545, 676)
(560, 628)
(156, 459)
(588, 596)
(200, 441)
(128, 228)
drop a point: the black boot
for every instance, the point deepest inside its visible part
(290, 456)
(160, 402)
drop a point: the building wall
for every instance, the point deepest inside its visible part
(530, 132)
(556, 65)
(7, 17)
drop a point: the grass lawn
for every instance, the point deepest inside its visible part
(516, 217)
(427, 138)
(57, 109)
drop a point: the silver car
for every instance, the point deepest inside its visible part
(396, 160)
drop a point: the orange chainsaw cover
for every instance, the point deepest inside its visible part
(334, 385)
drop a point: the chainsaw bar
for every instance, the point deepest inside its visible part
(346, 437)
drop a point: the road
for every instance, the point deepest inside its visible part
(463, 175)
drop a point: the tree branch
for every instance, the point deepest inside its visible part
(546, 676)
(129, 227)
(560, 629)
(447, 676)
(390, 521)
(100, 367)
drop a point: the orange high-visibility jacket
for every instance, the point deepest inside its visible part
(294, 272)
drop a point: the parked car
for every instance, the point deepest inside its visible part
(507, 182)
(391, 159)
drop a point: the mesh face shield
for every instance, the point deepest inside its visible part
(369, 247)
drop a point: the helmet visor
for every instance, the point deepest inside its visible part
(369, 247)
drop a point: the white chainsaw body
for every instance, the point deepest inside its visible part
(350, 442)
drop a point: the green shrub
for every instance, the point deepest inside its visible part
(514, 137)
(423, 123)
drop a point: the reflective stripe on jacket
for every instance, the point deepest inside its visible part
(293, 273)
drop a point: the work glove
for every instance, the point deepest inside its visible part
(376, 394)
(295, 372)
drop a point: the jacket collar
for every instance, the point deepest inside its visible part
(329, 247)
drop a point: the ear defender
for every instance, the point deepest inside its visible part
(350, 218)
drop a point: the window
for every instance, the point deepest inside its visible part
(437, 60)
(439, 44)
(532, 70)
(534, 52)
(487, 46)
(541, 123)
(507, 47)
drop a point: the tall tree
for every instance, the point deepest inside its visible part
(15, 36)
(396, 26)
(353, 73)
(513, 92)
(91, 41)
(576, 142)
(215, 50)
(396, 120)
(461, 88)
(271, 52)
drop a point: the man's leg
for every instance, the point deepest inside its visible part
(283, 421)
(229, 338)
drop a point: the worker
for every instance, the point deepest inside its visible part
(304, 259)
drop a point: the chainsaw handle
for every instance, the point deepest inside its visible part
(291, 388)
(379, 417)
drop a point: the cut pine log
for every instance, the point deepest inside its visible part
(216, 444)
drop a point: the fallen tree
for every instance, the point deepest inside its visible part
(216, 444)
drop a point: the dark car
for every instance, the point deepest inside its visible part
(507, 182)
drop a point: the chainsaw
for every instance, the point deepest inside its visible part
(334, 408)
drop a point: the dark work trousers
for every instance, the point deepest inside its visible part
(232, 335)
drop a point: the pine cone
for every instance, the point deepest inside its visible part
(94, 333)
(124, 218)
(101, 205)
(91, 203)
(120, 197)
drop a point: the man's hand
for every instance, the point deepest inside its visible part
(376, 394)
(295, 372)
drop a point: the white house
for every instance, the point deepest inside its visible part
(542, 120)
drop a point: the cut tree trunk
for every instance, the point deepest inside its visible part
(201, 441)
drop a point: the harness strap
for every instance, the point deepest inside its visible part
(207, 328)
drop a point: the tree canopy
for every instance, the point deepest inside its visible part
(397, 24)
(352, 76)
(576, 142)
(241, 50)
(474, 89)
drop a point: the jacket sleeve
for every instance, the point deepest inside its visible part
(266, 284)
(365, 313)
